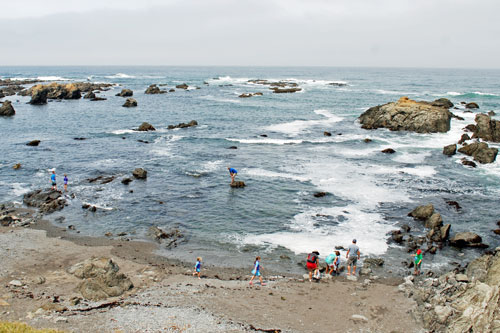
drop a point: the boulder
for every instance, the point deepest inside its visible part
(422, 212)
(183, 125)
(153, 90)
(17, 166)
(480, 151)
(470, 128)
(325, 133)
(466, 162)
(126, 181)
(319, 194)
(182, 86)
(407, 115)
(491, 113)
(89, 95)
(125, 93)
(367, 140)
(467, 239)
(97, 98)
(463, 138)
(443, 103)
(486, 128)
(146, 127)
(238, 184)
(47, 201)
(7, 110)
(39, 95)
(388, 151)
(130, 102)
(101, 279)
(285, 90)
(140, 173)
(450, 150)
(33, 143)
(397, 236)
(434, 221)
(373, 262)
(471, 105)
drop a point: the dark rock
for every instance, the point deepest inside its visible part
(486, 128)
(285, 90)
(407, 115)
(463, 138)
(125, 93)
(405, 228)
(320, 194)
(497, 231)
(7, 110)
(85, 206)
(480, 152)
(397, 236)
(93, 209)
(450, 150)
(238, 184)
(182, 86)
(146, 127)
(491, 113)
(454, 204)
(184, 125)
(471, 105)
(388, 151)
(17, 166)
(466, 162)
(337, 84)
(126, 181)
(171, 90)
(470, 128)
(454, 116)
(467, 239)
(140, 173)
(232, 147)
(89, 95)
(367, 140)
(98, 99)
(263, 135)
(325, 133)
(39, 96)
(33, 143)
(130, 102)
(373, 262)
(71, 227)
(153, 90)
(434, 221)
(79, 139)
(445, 231)
(443, 103)
(422, 212)
(47, 201)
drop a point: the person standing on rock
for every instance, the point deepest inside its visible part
(65, 183)
(232, 172)
(53, 180)
(352, 256)
(418, 262)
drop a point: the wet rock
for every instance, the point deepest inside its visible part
(388, 151)
(97, 98)
(125, 93)
(130, 102)
(443, 103)
(238, 184)
(171, 90)
(486, 128)
(153, 90)
(397, 236)
(232, 147)
(285, 90)
(407, 115)
(405, 228)
(171, 238)
(7, 110)
(17, 166)
(79, 139)
(467, 239)
(126, 181)
(445, 231)
(101, 279)
(491, 113)
(89, 95)
(183, 125)
(450, 150)
(146, 127)
(33, 143)
(373, 262)
(463, 138)
(454, 204)
(182, 86)
(140, 173)
(250, 95)
(470, 128)
(466, 162)
(320, 194)
(39, 96)
(47, 201)
(422, 212)
(480, 151)
(434, 221)
(325, 133)
(471, 105)
(367, 140)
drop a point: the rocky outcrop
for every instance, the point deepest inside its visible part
(442, 103)
(183, 125)
(471, 105)
(250, 95)
(153, 89)
(182, 86)
(39, 96)
(463, 138)
(462, 300)
(450, 150)
(487, 128)
(33, 143)
(125, 93)
(467, 239)
(40, 93)
(277, 90)
(10, 90)
(146, 127)
(140, 173)
(129, 103)
(101, 279)
(47, 201)
(89, 95)
(407, 115)
(434, 222)
(238, 184)
(480, 151)
(7, 110)
(422, 212)
(171, 238)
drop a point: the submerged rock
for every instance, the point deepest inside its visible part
(184, 125)
(182, 86)
(407, 115)
(89, 95)
(285, 90)
(388, 151)
(471, 105)
(140, 173)
(33, 143)
(7, 110)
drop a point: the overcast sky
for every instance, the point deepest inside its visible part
(395, 33)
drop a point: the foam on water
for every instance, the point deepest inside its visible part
(19, 189)
(120, 76)
(394, 92)
(162, 146)
(298, 126)
(123, 131)
(211, 166)
(266, 141)
(257, 172)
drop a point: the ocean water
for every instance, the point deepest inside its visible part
(276, 215)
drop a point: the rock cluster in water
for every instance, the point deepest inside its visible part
(153, 90)
(183, 125)
(41, 93)
(47, 201)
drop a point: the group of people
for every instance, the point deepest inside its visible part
(54, 183)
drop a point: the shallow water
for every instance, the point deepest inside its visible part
(370, 193)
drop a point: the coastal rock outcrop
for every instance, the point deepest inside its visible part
(140, 173)
(408, 115)
(250, 95)
(277, 90)
(146, 127)
(89, 95)
(480, 151)
(471, 105)
(183, 125)
(467, 239)
(129, 103)
(47, 201)
(33, 143)
(7, 110)
(171, 238)
(450, 150)
(125, 93)
(486, 128)
(153, 89)
(40, 92)
(182, 86)
(238, 184)
(101, 279)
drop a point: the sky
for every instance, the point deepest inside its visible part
(374, 33)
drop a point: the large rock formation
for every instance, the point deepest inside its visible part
(487, 128)
(184, 125)
(480, 151)
(463, 301)
(7, 110)
(101, 279)
(47, 201)
(408, 115)
(40, 92)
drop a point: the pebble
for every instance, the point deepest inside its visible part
(359, 318)
(16, 283)
(60, 320)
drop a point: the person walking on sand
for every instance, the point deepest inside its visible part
(256, 272)
(53, 180)
(312, 264)
(352, 257)
(197, 268)
(418, 261)
(65, 183)
(232, 172)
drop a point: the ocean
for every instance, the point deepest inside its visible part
(282, 155)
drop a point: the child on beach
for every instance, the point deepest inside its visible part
(197, 268)
(65, 183)
(53, 180)
(256, 272)
(418, 261)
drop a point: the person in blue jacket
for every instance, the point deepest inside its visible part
(232, 172)
(53, 180)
